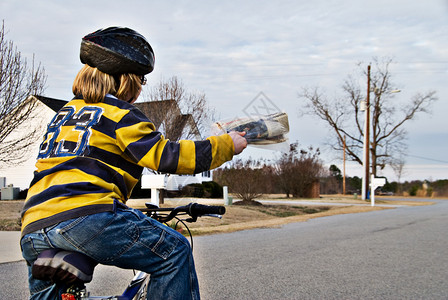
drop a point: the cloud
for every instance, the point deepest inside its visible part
(232, 50)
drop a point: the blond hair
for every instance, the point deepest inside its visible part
(93, 85)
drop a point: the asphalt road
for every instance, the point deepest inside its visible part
(400, 253)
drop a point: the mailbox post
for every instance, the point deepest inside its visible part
(155, 183)
(374, 183)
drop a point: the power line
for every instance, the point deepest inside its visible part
(427, 158)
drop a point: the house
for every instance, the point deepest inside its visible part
(21, 175)
(167, 118)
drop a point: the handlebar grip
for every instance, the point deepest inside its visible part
(200, 209)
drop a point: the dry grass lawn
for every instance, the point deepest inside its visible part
(10, 215)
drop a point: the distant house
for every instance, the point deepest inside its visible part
(159, 112)
(21, 175)
(167, 118)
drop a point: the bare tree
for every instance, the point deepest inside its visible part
(247, 179)
(398, 168)
(345, 117)
(18, 81)
(298, 171)
(284, 170)
(176, 112)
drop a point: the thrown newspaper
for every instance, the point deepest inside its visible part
(260, 130)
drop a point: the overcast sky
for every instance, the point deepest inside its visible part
(233, 50)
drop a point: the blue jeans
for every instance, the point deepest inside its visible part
(127, 239)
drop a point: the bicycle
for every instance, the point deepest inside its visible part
(74, 269)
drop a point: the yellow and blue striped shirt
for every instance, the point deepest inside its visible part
(93, 155)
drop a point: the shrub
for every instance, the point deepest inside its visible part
(193, 190)
(208, 189)
(213, 188)
(413, 190)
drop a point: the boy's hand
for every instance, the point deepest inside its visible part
(239, 141)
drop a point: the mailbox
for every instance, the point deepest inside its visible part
(153, 181)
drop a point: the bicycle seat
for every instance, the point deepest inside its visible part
(63, 267)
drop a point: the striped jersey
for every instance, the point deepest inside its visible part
(93, 154)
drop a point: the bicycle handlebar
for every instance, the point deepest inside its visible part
(194, 210)
(200, 209)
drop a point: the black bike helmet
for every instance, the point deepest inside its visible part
(117, 50)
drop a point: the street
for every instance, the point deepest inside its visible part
(398, 253)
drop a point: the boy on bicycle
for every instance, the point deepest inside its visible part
(92, 156)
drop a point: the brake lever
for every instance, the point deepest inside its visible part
(195, 218)
(191, 220)
(213, 216)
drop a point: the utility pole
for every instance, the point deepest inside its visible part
(366, 176)
(343, 178)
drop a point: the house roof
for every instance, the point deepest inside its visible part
(157, 111)
(54, 104)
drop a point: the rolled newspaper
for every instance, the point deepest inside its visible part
(260, 130)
